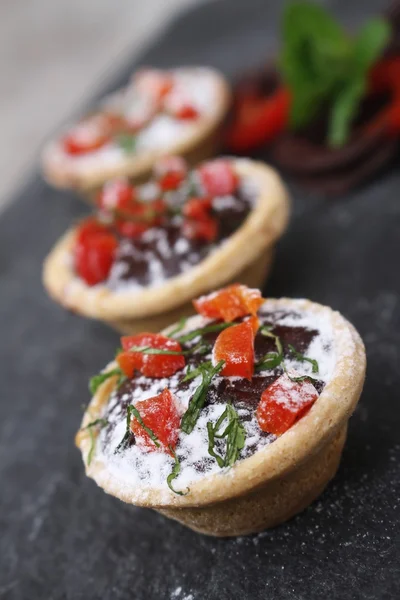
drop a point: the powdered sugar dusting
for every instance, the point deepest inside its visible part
(145, 470)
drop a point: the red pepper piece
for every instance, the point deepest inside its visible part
(159, 414)
(218, 178)
(197, 208)
(283, 403)
(258, 120)
(171, 181)
(116, 194)
(88, 228)
(254, 322)
(170, 164)
(229, 303)
(205, 229)
(385, 76)
(150, 365)
(153, 83)
(138, 217)
(89, 135)
(187, 112)
(235, 345)
(94, 253)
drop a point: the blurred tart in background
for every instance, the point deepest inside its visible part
(231, 421)
(150, 249)
(177, 111)
(328, 111)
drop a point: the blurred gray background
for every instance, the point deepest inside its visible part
(53, 54)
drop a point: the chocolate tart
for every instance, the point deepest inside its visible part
(160, 133)
(153, 279)
(274, 476)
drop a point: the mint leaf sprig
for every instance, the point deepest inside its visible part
(234, 433)
(323, 66)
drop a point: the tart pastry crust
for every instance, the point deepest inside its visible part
(198, 145)
(280, 479)
(252, 242)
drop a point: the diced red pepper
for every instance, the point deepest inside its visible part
(171, 181)
(170, 164)
(235, 345)
(229, 303)
(153, 83)
(150, 365)
(94, 253)
(254, 322)
(187, 112)
(283, 403)
(89, 135)
(138, 217)
(258, 120)
(197, 208)
(159, 414)
(116, 194)
(218, 178)
(88, 228)
(205, 229)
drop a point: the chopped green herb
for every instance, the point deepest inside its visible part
(234, 433)
(179, 327)
(127, 142)
(174, 474)
(271, 360)
(203, 330)
(301, 358)
(201, 348)
(96, 381)
(128, 435)
(99, 423)
(192, 413)
(134, 411)
(301, 378)
(192, 373)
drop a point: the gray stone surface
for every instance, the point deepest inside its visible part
(61, 537)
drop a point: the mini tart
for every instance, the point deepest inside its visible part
(274, 476)
(153, 134)
(244, 255)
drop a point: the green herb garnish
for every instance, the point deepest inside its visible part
(192, 373)
(234, 433)
(200, 348)
(203, 330)
(174, 474)
(323, 66)
(191, 415)
(129, 435)
(127, 142)
(96, 381)
(301, 358)
(134, 411)
(181, 324)
(98, 423)
(271, 360)
(300, 378)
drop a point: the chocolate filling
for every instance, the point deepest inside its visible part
(164, 252)
(243, 394)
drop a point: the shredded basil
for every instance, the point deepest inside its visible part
(174, 474)
(96, 381)
(191, 415)
(271, 360)
(128, 435)
(200, 348)
(127, 142)
(150, 432)
(301, 358)
(234, 433)
(179, 327)
(100, 423)
(300, 378)
(203, 330)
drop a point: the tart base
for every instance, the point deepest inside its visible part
(253, 276)
(279, 500)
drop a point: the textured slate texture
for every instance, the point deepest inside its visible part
(60, 536)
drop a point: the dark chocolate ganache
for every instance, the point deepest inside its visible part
(292, 328)
(163, 251)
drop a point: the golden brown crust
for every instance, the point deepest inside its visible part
(200, 142)
(261, 229)
(308, 437)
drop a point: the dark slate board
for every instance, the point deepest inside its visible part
(60, 536)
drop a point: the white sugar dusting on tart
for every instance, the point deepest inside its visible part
(145, 470)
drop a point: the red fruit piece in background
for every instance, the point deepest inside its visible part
(94, 252)
(283, 403)
(205, 229)
(218, 178)
(89, 135)
(116, 194)
(229, 303)
(170, 171)
(159, 414)
(235, 346)
(150, 365)
(197, 208)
